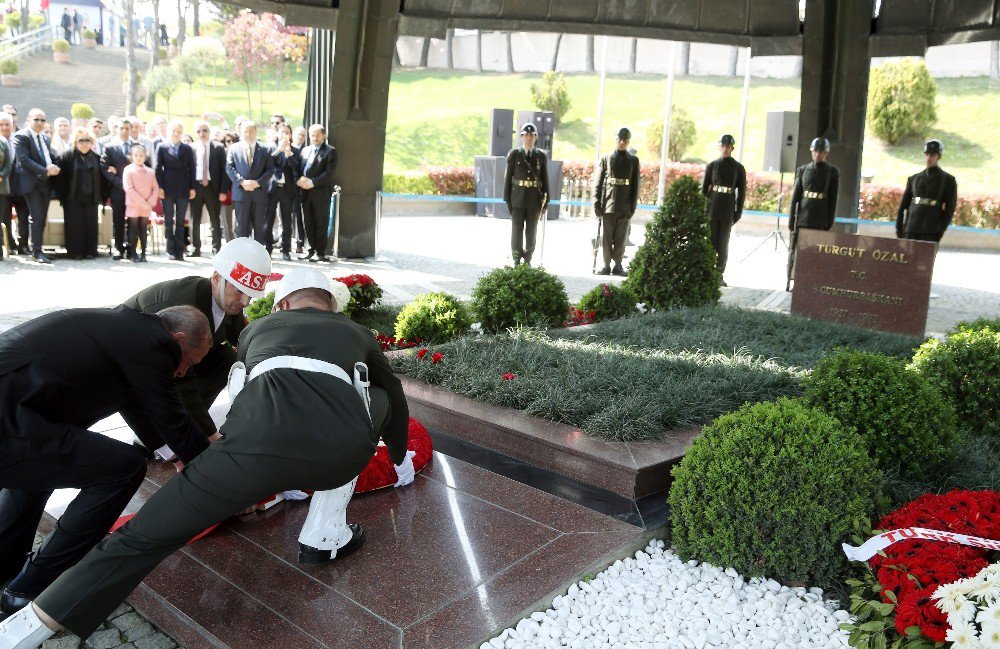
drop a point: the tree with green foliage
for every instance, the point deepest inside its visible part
(552, 94)
(81, 111)
(682, 135)
(901, 100)
(189, 69)
(164, 80)
(676, 264)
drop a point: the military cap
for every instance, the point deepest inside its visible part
(727, 140)
(820, 144)
(529, 128)
(934, 146)
(624, 133)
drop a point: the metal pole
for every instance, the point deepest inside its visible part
(667, 106)
(378, 221)
(746, 101)
(600, 101)
(336, 222)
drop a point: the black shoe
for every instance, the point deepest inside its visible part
(724, 283)
(314, 556)
(11, 602)
(196, 253)
(215, 251)
(23, 250)
(286, 257)
(322, 258)
(619, 271)
(307, 256)
(41, 258)
(605, 271)
(142, 258)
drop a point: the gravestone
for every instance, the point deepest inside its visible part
(871, 282)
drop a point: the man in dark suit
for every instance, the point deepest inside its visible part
(175, 174)
(114, 159)
(250, 168)
(282, 190)
(318, 162)
(13, 201)
(211, 186)
(59, 374)
(7, 201)
(32, 169)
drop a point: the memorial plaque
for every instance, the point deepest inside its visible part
(870, 282)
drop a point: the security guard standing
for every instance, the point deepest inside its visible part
(617, 196)
(814, 198)
(929, 200)
(526, 193)
(725, 185)
(242, 268)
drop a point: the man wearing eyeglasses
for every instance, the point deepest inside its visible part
(211, 186)
(277, 121)
(33, 169)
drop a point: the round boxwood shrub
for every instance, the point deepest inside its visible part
(436, 317)
(901, 99)
(8, 66)
(608, 301)
(60, 46)
(81, 110)
(676, 264)
(965, 367)
(522, 295)
(260, 307)
(773, 489)
(903, 422)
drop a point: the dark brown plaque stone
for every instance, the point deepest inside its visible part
(870, 282)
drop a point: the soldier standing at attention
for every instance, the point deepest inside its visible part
(526, 193)
(814, 197)
(929, 201)
(617, 197)
(725, 185)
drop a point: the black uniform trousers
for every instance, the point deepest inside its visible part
(106, 488)
(6, 216)
(80, 224)
(251, 216)
(117, 200)
(213, 487)
(523, 226)
(316, 215)
(204, 197)
(38, 200)
(614, 235)
(282, 198)
(721, 229)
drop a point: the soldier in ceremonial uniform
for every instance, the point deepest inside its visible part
(814, 197)
(299, 423)
(929, 201)
(526, 193)
(616, 200)
(725, 185)
(242, 267)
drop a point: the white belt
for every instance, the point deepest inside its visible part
(238, 376)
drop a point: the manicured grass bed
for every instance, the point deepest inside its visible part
(638, 377)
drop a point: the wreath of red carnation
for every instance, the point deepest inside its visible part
(913, 570)
(381, 472)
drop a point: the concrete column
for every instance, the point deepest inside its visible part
(359, 99)
(835, 67)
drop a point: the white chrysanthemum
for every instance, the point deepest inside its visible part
(990, 636)
(987, 589)
(640, 307)
(951, 595)
(341, 295)
(989, 616)
(963, 636)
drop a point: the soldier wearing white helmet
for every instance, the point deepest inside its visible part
(242, 268)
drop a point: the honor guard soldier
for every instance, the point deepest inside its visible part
(929, 201)
(526, 193)
(814, 197)
(725, 185)
(617, 197)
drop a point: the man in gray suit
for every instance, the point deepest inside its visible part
(250, 168)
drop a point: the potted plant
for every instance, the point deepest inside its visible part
(89, 39)
(8, 73)
(140, 90)
(173, 47)
(60, 50)
(81, 111)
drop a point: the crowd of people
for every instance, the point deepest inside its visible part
(244, 177)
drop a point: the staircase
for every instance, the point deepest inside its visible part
(92, 76)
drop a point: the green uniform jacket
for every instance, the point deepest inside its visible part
(617, 184)
(311, 416)
(932, 185)
(523, 167)
(814, 198)
(721, 175)
(196, 292)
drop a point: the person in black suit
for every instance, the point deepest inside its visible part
(59, 374)
(79, 189)
(250, 168)
(282, 190)
(8, 200)
(211, 187)
(175, 174)
(318, 162)
(32, 170)
(114, 159)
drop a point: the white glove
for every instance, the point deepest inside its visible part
(237, 379)
(405, 470)
(294, 494)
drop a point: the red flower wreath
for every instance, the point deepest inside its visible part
(381, 472)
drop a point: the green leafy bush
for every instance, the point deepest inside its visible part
(903, 422)
(608, 301)
(81, 111)
(676, 264)
(551, 94)
(260, 307)
(414, 182)
(13, 20)
(773, 489)
(436, 317)
(966, 368)
(682, 135)
(520, 296)
(60, 46)
(35, 21)
(89, 34)
(977, 325)
(901, 100)
(8, 66)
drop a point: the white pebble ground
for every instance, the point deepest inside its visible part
(658, 601)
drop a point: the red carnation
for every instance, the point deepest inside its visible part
(436, 358)
(605, 290)
(422, 353)
(509, 377)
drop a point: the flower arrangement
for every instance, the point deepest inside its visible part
(365, 293)
(577, 317)
(972, 606)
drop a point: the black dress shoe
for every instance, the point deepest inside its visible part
(23, 250)
(307, 256)
(11, 602)
(286, 257)
(314, 556)
(196, 253)
(41, 258)
(322, 258)
(604, 271)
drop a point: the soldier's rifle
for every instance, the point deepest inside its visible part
(790, 265)
(544, 217)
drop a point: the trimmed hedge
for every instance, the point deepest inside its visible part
(520, 296)
(436, 317)
(608, 302)
(773, 489)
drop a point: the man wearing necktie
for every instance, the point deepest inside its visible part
(32, 171)
(114, 159)
(316, 184)
(250, 168)
(175, 174)
(211, 187)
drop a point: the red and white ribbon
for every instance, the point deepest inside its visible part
(872, 546)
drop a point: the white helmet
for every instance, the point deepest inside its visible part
(245, 264)
(300, 278)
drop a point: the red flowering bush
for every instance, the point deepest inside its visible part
(577, 317)
(453, 180)
(365, 293)
(509, 376)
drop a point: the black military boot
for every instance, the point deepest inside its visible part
(619, 271)
(605, 271)
(313, 556)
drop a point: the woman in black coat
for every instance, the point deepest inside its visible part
(79, 189)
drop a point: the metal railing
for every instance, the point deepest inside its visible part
(22, 45)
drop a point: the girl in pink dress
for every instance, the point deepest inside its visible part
(141, 192)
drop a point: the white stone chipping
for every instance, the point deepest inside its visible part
(657, 601)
